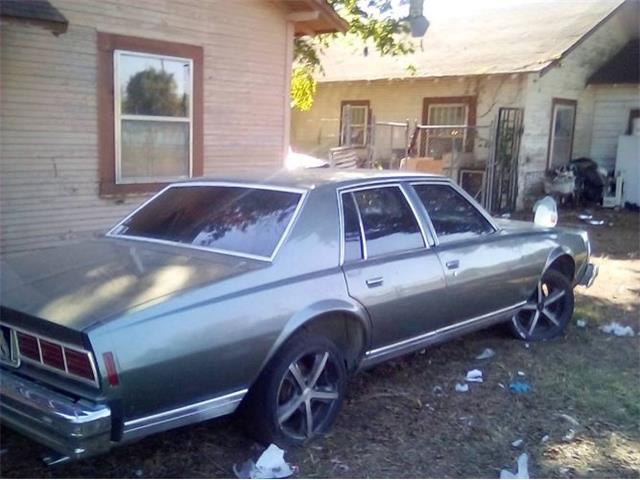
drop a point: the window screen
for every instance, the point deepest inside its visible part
(352, 236)
(452, 216)
(389, 224)
(236, 219)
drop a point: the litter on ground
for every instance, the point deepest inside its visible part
(618, 330)
(522, 470)
(581, 322)
(517, 443)
(568, 418)
(571, 434)
(474, 376)
(520, 387)
(595, 222)
(271, 464)
(462, 387)
(544, 439)
(521, 373)
(486, 353)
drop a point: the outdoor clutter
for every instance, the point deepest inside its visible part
(614, 328)
(522, 470)
(271, 464)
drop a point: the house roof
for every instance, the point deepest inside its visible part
(476, 37)
(38, 11)
(624, 67)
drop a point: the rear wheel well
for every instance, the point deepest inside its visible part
(343, 329)
(565, 265)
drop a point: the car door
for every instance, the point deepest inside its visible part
(388, 264)
(483, 267)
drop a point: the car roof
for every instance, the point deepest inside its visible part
(309, 179)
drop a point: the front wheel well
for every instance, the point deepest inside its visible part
(565, 265)
(343, 329)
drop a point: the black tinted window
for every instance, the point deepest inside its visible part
(453, 217)
(236, 219)
(389, 223)
(352, 237)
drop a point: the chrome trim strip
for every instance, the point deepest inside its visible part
(204, 410)
(303, 196)
(424, 336)
(41, 364)
(363, 239)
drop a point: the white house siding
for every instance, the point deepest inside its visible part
(48, 105)
(317, 130)
(612, 106)
(567, 80)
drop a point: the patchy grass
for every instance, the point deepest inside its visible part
(404, 419)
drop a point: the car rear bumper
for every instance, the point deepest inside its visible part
(74, 428)
(589, 275)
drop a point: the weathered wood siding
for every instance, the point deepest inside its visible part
(48, 148)
(612, 105)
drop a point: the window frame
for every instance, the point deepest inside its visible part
(109, 163)
(468, 100)
(560, 102)
(285, 234)
(465, 196)
(426, 239)
(355, 103)
(119, 117)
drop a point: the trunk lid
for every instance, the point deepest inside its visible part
(77, 285)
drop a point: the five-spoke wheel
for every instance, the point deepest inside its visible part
(548, 310)
(300, 392)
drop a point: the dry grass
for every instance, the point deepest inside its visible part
(396, 423)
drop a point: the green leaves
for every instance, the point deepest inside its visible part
(371, 21)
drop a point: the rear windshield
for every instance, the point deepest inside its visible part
(233, 219)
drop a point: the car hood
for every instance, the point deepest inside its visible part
(518, 226)
(83, 283)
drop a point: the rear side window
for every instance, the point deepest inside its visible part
(352, 236)
(389, 224)
(452, 216)
(234, 219)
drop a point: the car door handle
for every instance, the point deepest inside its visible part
(374, 282)
(453, 264)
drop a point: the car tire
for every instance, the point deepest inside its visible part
(304, 384)
(548, 310)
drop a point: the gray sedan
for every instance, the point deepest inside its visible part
(263, 292)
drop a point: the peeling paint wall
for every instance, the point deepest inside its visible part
(568, 80)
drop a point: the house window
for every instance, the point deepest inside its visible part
(150, 113)
(563, 116)
(354, 123)
(454, 111)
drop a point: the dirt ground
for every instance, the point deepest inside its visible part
(404, 418)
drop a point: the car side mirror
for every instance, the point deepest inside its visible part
(545, 212)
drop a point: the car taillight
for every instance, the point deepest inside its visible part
(78, 363)
(28, 345)
(72, 362)
(52, 354)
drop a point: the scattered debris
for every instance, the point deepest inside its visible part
(521, 472)
(618, 330)
(517, 443)
(520, 387)
(437, 390)
(581, 322)
(568, 418)
(486, 353)
(585, 216)
(544, 439)
(595, 222)
(271, 464)
(501, 385)
(521, 373)
(505, 215)
(571, 434)
(526, 345)
(564, 470)
(462, 387)
(474, 375)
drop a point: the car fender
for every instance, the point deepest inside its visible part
(556, 253)
(303, 317)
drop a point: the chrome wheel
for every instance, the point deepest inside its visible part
(548, 309)
(307, 395)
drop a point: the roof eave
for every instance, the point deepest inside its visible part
(314, 17)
